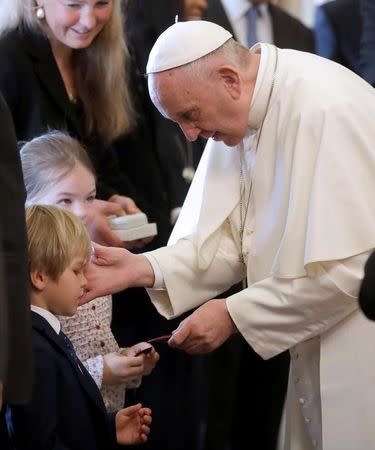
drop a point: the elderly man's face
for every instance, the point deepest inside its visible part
(202, 107)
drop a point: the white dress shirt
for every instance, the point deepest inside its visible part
(236, 11)
(50, 318)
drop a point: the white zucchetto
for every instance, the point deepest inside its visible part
(185, 42)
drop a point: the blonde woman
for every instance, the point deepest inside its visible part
(64, 67)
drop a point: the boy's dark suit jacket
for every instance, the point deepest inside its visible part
(288, 32)
(35, 93)
(66, 410)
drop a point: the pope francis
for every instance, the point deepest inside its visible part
(282, 200)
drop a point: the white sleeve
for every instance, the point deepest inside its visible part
(186, 286)
(158, 274)
(275, 314)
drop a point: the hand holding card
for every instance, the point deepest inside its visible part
(142, 348)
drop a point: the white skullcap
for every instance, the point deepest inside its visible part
(185, 42)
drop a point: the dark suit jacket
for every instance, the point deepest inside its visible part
(341, 18)
(368, 40)
(66, 410)
(15, 327)
(35, 93)
(367, 291)
(288, 32)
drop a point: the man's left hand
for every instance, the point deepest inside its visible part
(205, 329)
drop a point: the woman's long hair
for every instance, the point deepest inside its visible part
(100, 71)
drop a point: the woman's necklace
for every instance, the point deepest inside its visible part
(244, 204)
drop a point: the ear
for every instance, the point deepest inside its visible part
(38, 279)
(232, 81)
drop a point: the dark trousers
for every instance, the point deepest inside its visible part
(5, 443)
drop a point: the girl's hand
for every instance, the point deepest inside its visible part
(149, 359)
(121, 369)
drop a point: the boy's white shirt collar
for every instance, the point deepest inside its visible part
(50, 318)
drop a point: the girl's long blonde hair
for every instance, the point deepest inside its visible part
(100, 71)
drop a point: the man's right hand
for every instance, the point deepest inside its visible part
(115, 269)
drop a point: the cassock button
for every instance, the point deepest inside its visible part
(307, 420)
(302, 401)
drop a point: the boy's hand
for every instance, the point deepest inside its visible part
(133, 425)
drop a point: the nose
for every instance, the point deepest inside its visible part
(191, 132)
(88, 18)
(81, 210)
(83, 280)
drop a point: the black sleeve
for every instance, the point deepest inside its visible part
(367, 291)
(368, 41)
(13, 247)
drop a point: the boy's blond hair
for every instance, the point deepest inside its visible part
(55, 238)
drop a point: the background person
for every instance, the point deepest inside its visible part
(252, 21)
(55, 55)
(156, 158)
(338, 29)
(16, 370)
(368, 41)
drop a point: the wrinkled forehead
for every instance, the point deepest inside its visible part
(167, 89)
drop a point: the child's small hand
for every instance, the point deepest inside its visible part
(149, 359)
(120, 369)
(133, 425)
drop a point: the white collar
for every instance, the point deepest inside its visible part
(263, 85)
(50, 318)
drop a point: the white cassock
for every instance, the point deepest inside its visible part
(310, 228)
